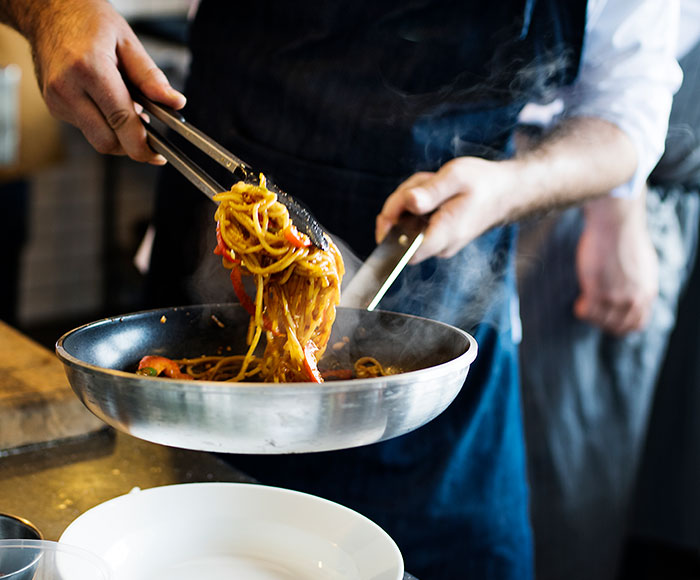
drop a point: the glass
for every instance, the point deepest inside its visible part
(9, 114)
(44, 560)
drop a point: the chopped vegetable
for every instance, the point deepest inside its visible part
(222, 249)
(152, 366)
(310, 367)
(241, 294)
(295, 237)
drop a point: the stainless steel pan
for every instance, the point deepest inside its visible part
(100, 358)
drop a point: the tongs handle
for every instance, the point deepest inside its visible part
(300, 216)
(180, 161)
(175, 121)
(378, 272)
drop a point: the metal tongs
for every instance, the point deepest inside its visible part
(241, 171)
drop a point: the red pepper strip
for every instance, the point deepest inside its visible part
(162, 365)
(221, 248)
(295, 237)
(246, 301)
(243, 298)
(312, 371)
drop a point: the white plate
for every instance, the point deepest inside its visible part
(220, 531)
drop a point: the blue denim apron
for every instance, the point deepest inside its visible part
(339, 102)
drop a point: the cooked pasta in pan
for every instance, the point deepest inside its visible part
(297, 285)
(296, 288)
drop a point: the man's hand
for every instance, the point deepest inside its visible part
(581, 159)
(81, 50)
(465, 195)
(617, 266)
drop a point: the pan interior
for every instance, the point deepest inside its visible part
(405, 342)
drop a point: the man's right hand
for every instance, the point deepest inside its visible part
(81, 50)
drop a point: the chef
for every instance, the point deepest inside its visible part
(365, 110)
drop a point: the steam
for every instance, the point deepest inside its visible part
(465, 290)
(210, 283)
(540, 82)
(471, 287)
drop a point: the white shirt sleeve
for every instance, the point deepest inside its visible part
(628, 75)
(689, 29)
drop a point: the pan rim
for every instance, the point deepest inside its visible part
(464, 359)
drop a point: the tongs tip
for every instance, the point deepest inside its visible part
(302, 218)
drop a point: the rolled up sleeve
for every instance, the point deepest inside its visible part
(628, 75)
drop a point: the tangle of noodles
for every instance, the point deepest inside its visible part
(297, 287)
(228, 368)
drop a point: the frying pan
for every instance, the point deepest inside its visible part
(264, 418)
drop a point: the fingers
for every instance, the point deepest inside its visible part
(615, 316)
(464, 199)
(122, 125)
(617, 267)
(635, 320)
(143, 72)
(95, 99)
(88, 91)
(442, 237)
(420, 194)
(113, 99)
(406, 197)
(68, 100)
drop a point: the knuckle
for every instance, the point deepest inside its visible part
(153, 80)
(53, 101)
(637, 304)
(82, 67)
(105, 143)
(74, 72)
(585, 313)
(55, 91)
(608, 299)
(453, 166)
(414, 199)
(118, 119)
(449, 216)
(154, 74)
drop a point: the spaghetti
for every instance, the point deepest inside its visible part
(297, 286)
(296, 291)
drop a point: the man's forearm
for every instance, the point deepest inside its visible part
(83, 51)
(31, 17)
(23, 16)
(581, 159)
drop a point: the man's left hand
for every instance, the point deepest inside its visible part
(617, 266)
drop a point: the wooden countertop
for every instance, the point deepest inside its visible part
(51, 486)
(57, 460)
(37, 404)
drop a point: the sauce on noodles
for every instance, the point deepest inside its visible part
(296, 288)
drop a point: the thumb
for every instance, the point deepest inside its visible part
(581, 307)
(139, 67)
